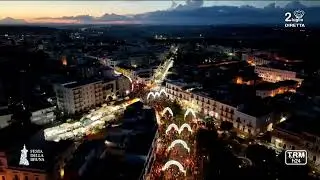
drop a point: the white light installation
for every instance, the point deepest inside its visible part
(179, 141)
(24, 156)
(175, 127)
(163, 91)
(167, 109)
(157, 94)
(151, 94)
(176, 163)
(185, 125)
(188, 112)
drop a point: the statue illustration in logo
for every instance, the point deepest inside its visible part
(299, 14)
(23, 157)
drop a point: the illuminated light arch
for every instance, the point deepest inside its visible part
(163, 91)
(157, 94)
(179, 141)
(176, 163)
(185, 125)
(167, 109)
(151, 94)
(174, 126)
(193, 113)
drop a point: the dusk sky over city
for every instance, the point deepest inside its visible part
(30, 10)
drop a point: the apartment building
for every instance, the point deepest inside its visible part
(247, 122)
(275, 75)
(271, 89)
(293, 134)
(254, 60)
(74, 97)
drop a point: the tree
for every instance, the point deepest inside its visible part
(21, 116)
(206, 139)
(226, 126)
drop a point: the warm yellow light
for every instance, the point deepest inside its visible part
(62, 173)
(239, 80)
(64, 60)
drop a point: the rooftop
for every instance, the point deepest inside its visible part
(133, 137)
(273, 86)
(74, 84)
(301, 124)
(238, 97)
(10, 138)
(80, 156)
(282, 67)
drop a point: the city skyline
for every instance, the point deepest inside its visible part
(54, 11)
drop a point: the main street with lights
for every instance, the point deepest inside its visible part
(175, 153)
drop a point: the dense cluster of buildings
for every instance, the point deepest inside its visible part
(246, 120)
(296, 130)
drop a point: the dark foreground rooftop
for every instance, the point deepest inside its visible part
(301, 124)
(128, 147)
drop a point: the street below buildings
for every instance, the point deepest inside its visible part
(175, 155)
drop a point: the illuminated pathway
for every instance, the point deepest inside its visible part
(87, 124)
(174, 156)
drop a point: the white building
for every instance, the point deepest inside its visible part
(275, 75)
(75, 96)
(254, 60)
(43, 116)
(208, 106)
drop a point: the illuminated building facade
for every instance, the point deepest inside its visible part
(75, 96)
(275, 75)
(271, 89)
(245, 123)
(254, 60)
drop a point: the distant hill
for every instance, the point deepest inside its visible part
(11, 21)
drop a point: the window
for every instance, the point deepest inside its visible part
(26, 178)
(314, 158)
(3, 178)
(15, 177)
(36, 178)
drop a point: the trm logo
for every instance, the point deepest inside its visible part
(296, 157)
